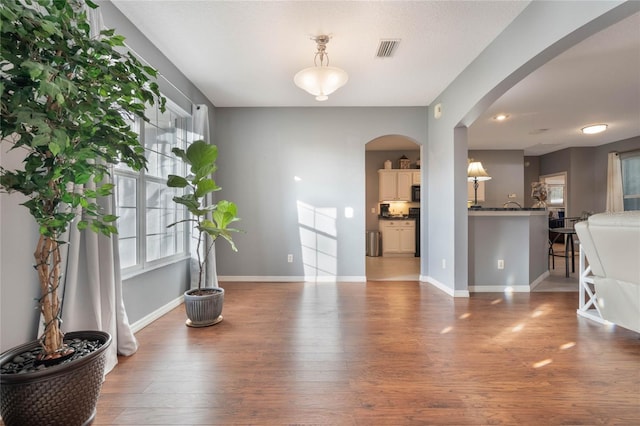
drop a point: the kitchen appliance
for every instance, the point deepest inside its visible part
(414, 212)
(384, 210)
(415, 192)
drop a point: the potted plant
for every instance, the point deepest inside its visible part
(64, 99)
(210, 221)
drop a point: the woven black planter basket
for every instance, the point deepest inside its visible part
(64, 394)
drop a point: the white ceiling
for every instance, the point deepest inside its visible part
(245, 53)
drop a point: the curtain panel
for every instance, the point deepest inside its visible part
(615, 200)
(201, 132)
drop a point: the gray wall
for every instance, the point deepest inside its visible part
(18, 280)
(531, 174)
(538, 247)
(506, 168)
(147, 292)
(521, 241)
(586, 169)
(492, 238)
(261, 150)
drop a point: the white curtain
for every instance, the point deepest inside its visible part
(93, 289)
(615, 200)
(92, 283)
(201, 131)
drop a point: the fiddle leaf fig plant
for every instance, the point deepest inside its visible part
(67, 100)
(211, 220)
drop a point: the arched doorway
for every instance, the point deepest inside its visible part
(392, 203)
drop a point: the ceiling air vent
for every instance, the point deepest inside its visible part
(387, 47)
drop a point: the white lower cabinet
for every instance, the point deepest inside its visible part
(398, 237)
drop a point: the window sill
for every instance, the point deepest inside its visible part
(135, 271)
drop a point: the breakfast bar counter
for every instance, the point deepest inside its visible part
(508, 248)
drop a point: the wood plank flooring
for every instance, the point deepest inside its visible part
(380, 353)
(408, 269)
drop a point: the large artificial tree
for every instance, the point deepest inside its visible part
(67, 101)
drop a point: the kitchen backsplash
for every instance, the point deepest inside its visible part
(400, 207)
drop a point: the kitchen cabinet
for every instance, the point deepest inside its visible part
(398, 237)
(395, 185)
(416, 179)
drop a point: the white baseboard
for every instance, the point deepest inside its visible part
(461, 293)
(291, 279)
(266, 279)
(499, 288)
(538, 280)
(148, 319)
(437, 284)
(341, 279)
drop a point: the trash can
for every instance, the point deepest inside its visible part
(373, 243)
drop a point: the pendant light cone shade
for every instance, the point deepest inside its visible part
(321, 80)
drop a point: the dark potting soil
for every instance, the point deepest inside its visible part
(26, 362)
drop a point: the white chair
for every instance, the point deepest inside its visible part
(610, 282)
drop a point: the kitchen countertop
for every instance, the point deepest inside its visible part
(397, 217)
(506, 209)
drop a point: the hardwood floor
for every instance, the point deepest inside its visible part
(380, 353)
(408, 269)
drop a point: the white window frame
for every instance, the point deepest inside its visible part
(557, 180)
(142, 265)
(625, 156)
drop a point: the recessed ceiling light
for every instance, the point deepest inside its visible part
(501, 117)
(593, 129)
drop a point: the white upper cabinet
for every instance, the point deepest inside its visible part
(405, 180)
(395, 185)
(388, 185)
(416, 178)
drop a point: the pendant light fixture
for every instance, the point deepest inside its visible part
(321, 80)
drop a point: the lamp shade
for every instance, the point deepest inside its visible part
(320, 81)
(475, 171)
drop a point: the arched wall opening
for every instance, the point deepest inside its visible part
(488, 77)
(392, 211)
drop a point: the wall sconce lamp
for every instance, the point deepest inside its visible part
(476, 173)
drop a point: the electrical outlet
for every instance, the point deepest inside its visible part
(513, 196)
(500, 264)
(373, 209)
(290, 258)
(444, 264)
